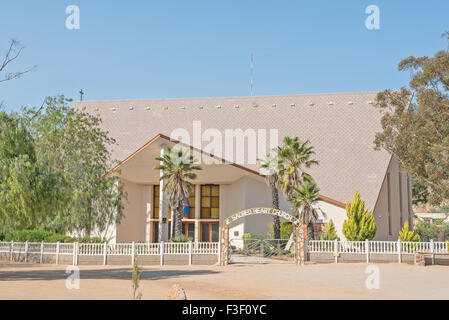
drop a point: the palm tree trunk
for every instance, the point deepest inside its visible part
(302, 239)
(178, 222)
(173, 219)
(310, 231)
(301, 243)
(275, 203)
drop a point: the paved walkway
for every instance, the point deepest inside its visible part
(258, 281)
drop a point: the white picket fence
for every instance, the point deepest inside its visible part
(104, 249)
(366, 248)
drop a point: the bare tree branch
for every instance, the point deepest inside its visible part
(14, 50)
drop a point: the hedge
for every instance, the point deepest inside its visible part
(181, 238)
(45, 236)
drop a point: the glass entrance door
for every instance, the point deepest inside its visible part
(209, 231)
(188, 229)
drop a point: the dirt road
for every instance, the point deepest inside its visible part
(276, 281)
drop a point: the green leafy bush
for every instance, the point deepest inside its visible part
(437, 232)
(359, 224)
(253, 236)
(181, 238)
(286, 230)
(45, 236)
(331, 233)
(408, 235)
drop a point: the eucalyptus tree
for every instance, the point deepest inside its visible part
(178, 169)
(416, 130)
(13, 52)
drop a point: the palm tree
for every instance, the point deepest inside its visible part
(294, 156)
(177, 167)
(270, 165)
(303, 200)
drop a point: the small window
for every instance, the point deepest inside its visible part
(156, 202)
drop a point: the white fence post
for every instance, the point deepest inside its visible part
(26, 251)
(105, 252)
(399, 251)
(367, 250)
(336, 250)
(74, 253)
(161, 250)
(133, 250)
(57, 252)
(190, 253)
(42, 251)
(12, 249)
(77, 257)
(432, 251)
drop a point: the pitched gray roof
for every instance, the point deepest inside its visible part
(341, 127)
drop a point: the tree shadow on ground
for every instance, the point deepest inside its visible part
(112, 274)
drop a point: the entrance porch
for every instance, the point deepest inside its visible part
(220, 190)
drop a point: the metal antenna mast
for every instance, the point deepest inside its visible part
(252, 75)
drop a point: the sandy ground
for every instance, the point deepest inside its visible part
(275, 281)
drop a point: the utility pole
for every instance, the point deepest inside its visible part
(81, 94)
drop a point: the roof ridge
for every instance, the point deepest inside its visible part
(236, 97)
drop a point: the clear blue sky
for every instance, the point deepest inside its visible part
(159, 49)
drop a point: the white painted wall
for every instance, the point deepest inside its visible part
(248, 192)
(131, 227)
(328, 211)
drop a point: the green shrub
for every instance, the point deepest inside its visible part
(253, 236)
(181, 238)
(359, 224)
(408, 235)
(437, 232)
(46, 236)
(331, 233)
(32, 236)
(89, 240)
(286, 230)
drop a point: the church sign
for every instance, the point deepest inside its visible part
(261, 210)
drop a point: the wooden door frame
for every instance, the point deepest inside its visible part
(210, 223)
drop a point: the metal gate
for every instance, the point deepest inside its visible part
(263, 251)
